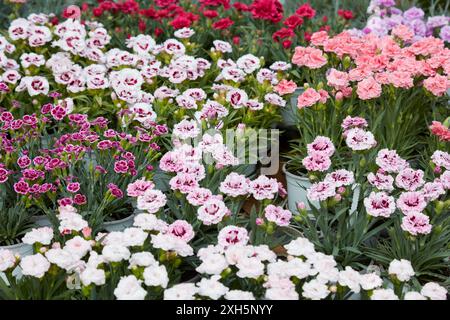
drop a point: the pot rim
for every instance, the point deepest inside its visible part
(291, 175)
(15, 246)
(121, 220)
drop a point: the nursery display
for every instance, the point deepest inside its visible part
(224, 150)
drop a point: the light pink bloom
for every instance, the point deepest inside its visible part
(181, 229)
(263, 188)
(232, 235)
(416, 223)
(199, 196)
(278, 215)
(390, 161)
(409, 179)
(317, 162)
(321, 191)
(358, 139)
(412, 201)
(212, 212)
(341, 177)
(183, 182)
(432, 190)
(379, 204)
(151, 201)
(381, 181)
(321, 145)
(441, 159)
(234, 185)
(138, 187)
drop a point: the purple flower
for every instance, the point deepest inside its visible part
(437, 21)
(413, 13)
(418, 26)
(386, 3)
(445, 33)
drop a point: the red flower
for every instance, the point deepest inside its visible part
(97, 12)
(287, 44)
(306, 11)
(307, 36)
(223, 24)
(158, 32)
(215, 3)
(325, 19)
(325, 28)
(267, 10)
(210, 13)
(239, 6)
(54, 21)
(149, 13)
(142, 26)
(293, 21)
(165, 3)
(236, 40)
(85, 7)
(346, 14)
(283, 33)
(180, 22)
(129, 6)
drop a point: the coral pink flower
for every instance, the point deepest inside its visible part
(308, 98)
(437, 85)
(309, 57)
(368, 88)
(438, 129)
(403, 32)
(285, 87)
(337, 79)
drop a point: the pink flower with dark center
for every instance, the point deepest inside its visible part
(413, 201)
(379, 204)
(121, 166)
(73, 187)
(181, 229)
(232, 235)
(278, 215)
(416, 223)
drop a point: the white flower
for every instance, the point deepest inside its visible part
(141, 259)
(152, 201)
(62, 258)
(156, 275)
(250, 268)
(129, 288)
(383, 294)
(168, 242)
(182, 291)
(7, 259)
(300, 247)
(35, 265)
(350, 278)
(212, 264)
(414, 295)
(315, 290)
(402, 269)
(42, 235)
(296, 267)
(248, 63)
(93, 275)
(211, 288)
(370, 281)
(78, 246)
(184, 33)
(434, 291)
(239, 295)
(149, 222)
(115, 253)
(134, 237)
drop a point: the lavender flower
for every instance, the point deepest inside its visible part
(413, 13)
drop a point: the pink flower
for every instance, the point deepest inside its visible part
(24, 161)
(232, 235)
(368, 88)
(432, 190)
(72, 12)
(337, 79)
(184, 182)
(409, 179)
(319, 38)
(310, 57)
(445, 179)
(278, 215)
(416, 223)
(321, 191)
(121, 166)
(390, 161)
(358, 139)
(379, 204)
(381, 181)
(73, 187)
(234, 185)
(21, 187)
(285, 87)
(441, 159)
(403, 32)
(412, 201)
(79, 199)
(341, 177)
(437, 85)
(316, 162)
(263, 188)
(308, 98)
(321, 145)
(115, 191)
(199, 196)
(151, 201)
(438, 129)
(181, 229)
(171, 162)
(212, 212)
(353, 122)
(139, 187)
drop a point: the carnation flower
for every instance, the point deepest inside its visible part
(315, 290)
(277, 215)
(381, 181)
(234, 185)
(212, 212)
(351, 279)
(416, 223)
(390, 161)
(401, 269)
(129, 288)
(441, 159)
(300, 247)
(409, 179)
(413, 201)
(35, 265)
(317, 162)
(239, 295)
(151, 200)
(7, 260)
(211, 288)
(413, 295)
(93, 276)
(115, 253)
(370, 281)
(263, 188)
(156, 275)
(232, 235)
(321, 191)
(383, 294)
(168, 242)
(379, 204)
(309, 57)
(434, 291)
(250, 267)
(212, 264)
(340, 178)
(357, 139)
(182, 230)
(181, 291)
(321, 145)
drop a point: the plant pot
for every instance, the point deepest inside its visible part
(119, 225)
(289, 112)
(41, 221)
(297, 187)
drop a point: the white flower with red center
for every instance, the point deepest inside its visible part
(248, 63)
(232, 235)
(358, 139)
(341, 177)
(321, 191)
(222, 46)
(321, 145)
(381, 181)
(212, 212)
(263, 188)
(182, 230)
(413, 201)
(151, 201)
(379, 204)
(235, 185)
(390, 161)
(278, 215)
(409, 179)
(186, 129)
